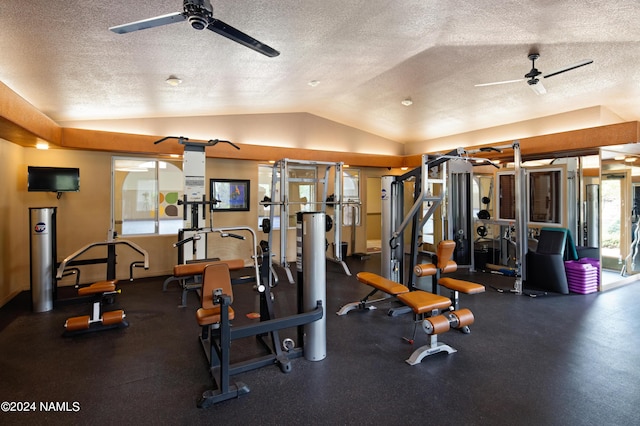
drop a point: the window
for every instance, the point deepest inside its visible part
(145, 196)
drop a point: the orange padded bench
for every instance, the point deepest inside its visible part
(189, 274)
(444, 264)
(390, 288)
(466, 287)
(99, 287)
(422, 302)
(435, 312)
(98, 320)
(380, 283)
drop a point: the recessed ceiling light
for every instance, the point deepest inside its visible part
(407, 102)
(313, 83)
(42, 145)
(173, 81)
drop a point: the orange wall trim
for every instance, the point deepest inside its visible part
(22, 123)
(141, 144)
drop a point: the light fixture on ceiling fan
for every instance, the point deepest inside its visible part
(532, 76)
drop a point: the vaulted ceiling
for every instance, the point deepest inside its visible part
(367, 56)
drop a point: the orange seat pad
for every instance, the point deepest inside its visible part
(211, 316)
(99, 287)
(381, 283)
(422, 301)
(466, 287)
(188, 269)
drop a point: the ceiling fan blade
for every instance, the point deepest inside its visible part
(538, 88)
(570, 67)
(149, 23)
(500, 82)
(238, 36)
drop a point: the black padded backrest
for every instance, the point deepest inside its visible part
(551, 242)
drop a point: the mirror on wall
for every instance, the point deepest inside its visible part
(545, 196)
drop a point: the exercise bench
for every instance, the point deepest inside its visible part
(101, 292)
(189, 275)
(443, 264)
(379, 284)
(432, 310)
(434, 313)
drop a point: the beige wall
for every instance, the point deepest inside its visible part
(84, 217)
(14, 247)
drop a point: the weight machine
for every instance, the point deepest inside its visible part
(520, 223)
(280, 176)
(194, 162)
(453, 171)
(394, 222)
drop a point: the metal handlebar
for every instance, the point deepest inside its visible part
(86, 248)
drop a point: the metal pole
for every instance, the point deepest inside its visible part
(314, 275)
(521, 219)
(42, 226)
(386, 226)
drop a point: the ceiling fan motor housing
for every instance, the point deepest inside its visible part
(199, 12)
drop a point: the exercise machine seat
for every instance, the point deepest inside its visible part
(383, 284)
(466, 287)
(422, 302)
(216, 280)
(545, 266)
(98, 287)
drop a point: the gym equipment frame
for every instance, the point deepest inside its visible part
(280, 175)
(216, 314)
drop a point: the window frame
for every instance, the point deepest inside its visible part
(118, 220)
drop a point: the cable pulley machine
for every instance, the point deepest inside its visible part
(280, 176)
(194, 169)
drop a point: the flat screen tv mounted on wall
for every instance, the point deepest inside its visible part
(53, 179)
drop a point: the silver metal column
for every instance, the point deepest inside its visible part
(387, 227)
(42, 251)
(522, 229)
(460, 210)
(314, 276)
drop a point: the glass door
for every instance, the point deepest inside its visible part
(615, 227)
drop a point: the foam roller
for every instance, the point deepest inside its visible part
(436, 325)
(112, 317)
(463, 317)
(426, 269)
(77, 323)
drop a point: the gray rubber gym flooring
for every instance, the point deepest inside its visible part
(552, 360)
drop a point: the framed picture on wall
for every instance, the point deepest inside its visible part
(232, 194)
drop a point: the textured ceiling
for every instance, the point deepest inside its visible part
(368, 56)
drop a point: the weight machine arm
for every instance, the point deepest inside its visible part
(185, 141)
(88, 247)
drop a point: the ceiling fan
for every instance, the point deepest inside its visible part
(199, 13)
(532, 76)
